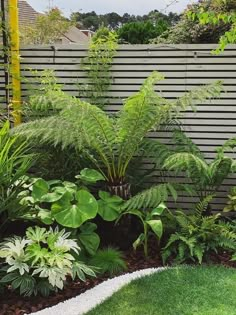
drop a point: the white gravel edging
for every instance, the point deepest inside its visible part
(91, 298)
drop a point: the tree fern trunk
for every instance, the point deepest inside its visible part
(208, 211)
(122, 190)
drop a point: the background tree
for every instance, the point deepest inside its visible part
(141, 32)
(193, 30)
(114, 21)
(47, 29)
(226, 15)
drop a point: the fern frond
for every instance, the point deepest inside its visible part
(185, 144)
(229, 144)
(201, 207)
(218, 170)
(195, 167)
(198, 95)
(198, 251)
(154, 150)
(151, 197)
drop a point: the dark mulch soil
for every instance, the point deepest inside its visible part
(12, 304)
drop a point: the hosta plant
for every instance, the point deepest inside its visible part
(41, 261)
(152, 225)
(109, 142)
(197, 235)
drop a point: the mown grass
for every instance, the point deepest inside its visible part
(178, 291)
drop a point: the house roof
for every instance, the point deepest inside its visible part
(74, 35)
(27, 14)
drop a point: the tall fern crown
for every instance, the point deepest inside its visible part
(109, 142)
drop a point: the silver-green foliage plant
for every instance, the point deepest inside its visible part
(110, 143)
(197, 235)
(41, 261)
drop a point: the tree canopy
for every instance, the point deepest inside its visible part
(92, 20)
(47, 29)
(193, 30)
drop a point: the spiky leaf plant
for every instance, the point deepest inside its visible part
(111, 143)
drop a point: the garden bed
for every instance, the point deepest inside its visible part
(13, 304)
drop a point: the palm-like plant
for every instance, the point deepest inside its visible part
(110, 143)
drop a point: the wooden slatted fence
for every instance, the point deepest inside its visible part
(185, 67)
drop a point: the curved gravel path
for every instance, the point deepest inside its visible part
(91, 298)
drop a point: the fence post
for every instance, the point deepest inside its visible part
(15, 60)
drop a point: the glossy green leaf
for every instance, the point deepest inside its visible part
(40, 188)
(138, 241)
(156, 226)
(73, 213)
(109, 207)
(45, 216)
(90, 175)
(159, 210)
(51, 197)
(88, 238)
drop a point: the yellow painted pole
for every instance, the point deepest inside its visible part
(15, 59)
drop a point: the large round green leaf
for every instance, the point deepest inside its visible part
(90, 175)
(109, 207)
(40, 188)
(73, 213)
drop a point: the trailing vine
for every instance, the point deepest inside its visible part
(98, 65)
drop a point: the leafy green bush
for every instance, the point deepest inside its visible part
(40, 262)
(197, 235)
(109, 261)
(210, 20)
(141, 32)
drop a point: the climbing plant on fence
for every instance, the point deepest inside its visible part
(98, 65)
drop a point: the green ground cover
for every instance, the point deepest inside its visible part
(178, 291)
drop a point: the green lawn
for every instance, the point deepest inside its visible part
(179, 291)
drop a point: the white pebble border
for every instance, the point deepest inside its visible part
(91, 298)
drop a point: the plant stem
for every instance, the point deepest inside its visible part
(145, 246)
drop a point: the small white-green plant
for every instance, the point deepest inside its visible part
(41, 261)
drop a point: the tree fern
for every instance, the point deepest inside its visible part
(109, 143)
(206, 177)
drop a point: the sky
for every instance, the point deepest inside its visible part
(137, 7)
